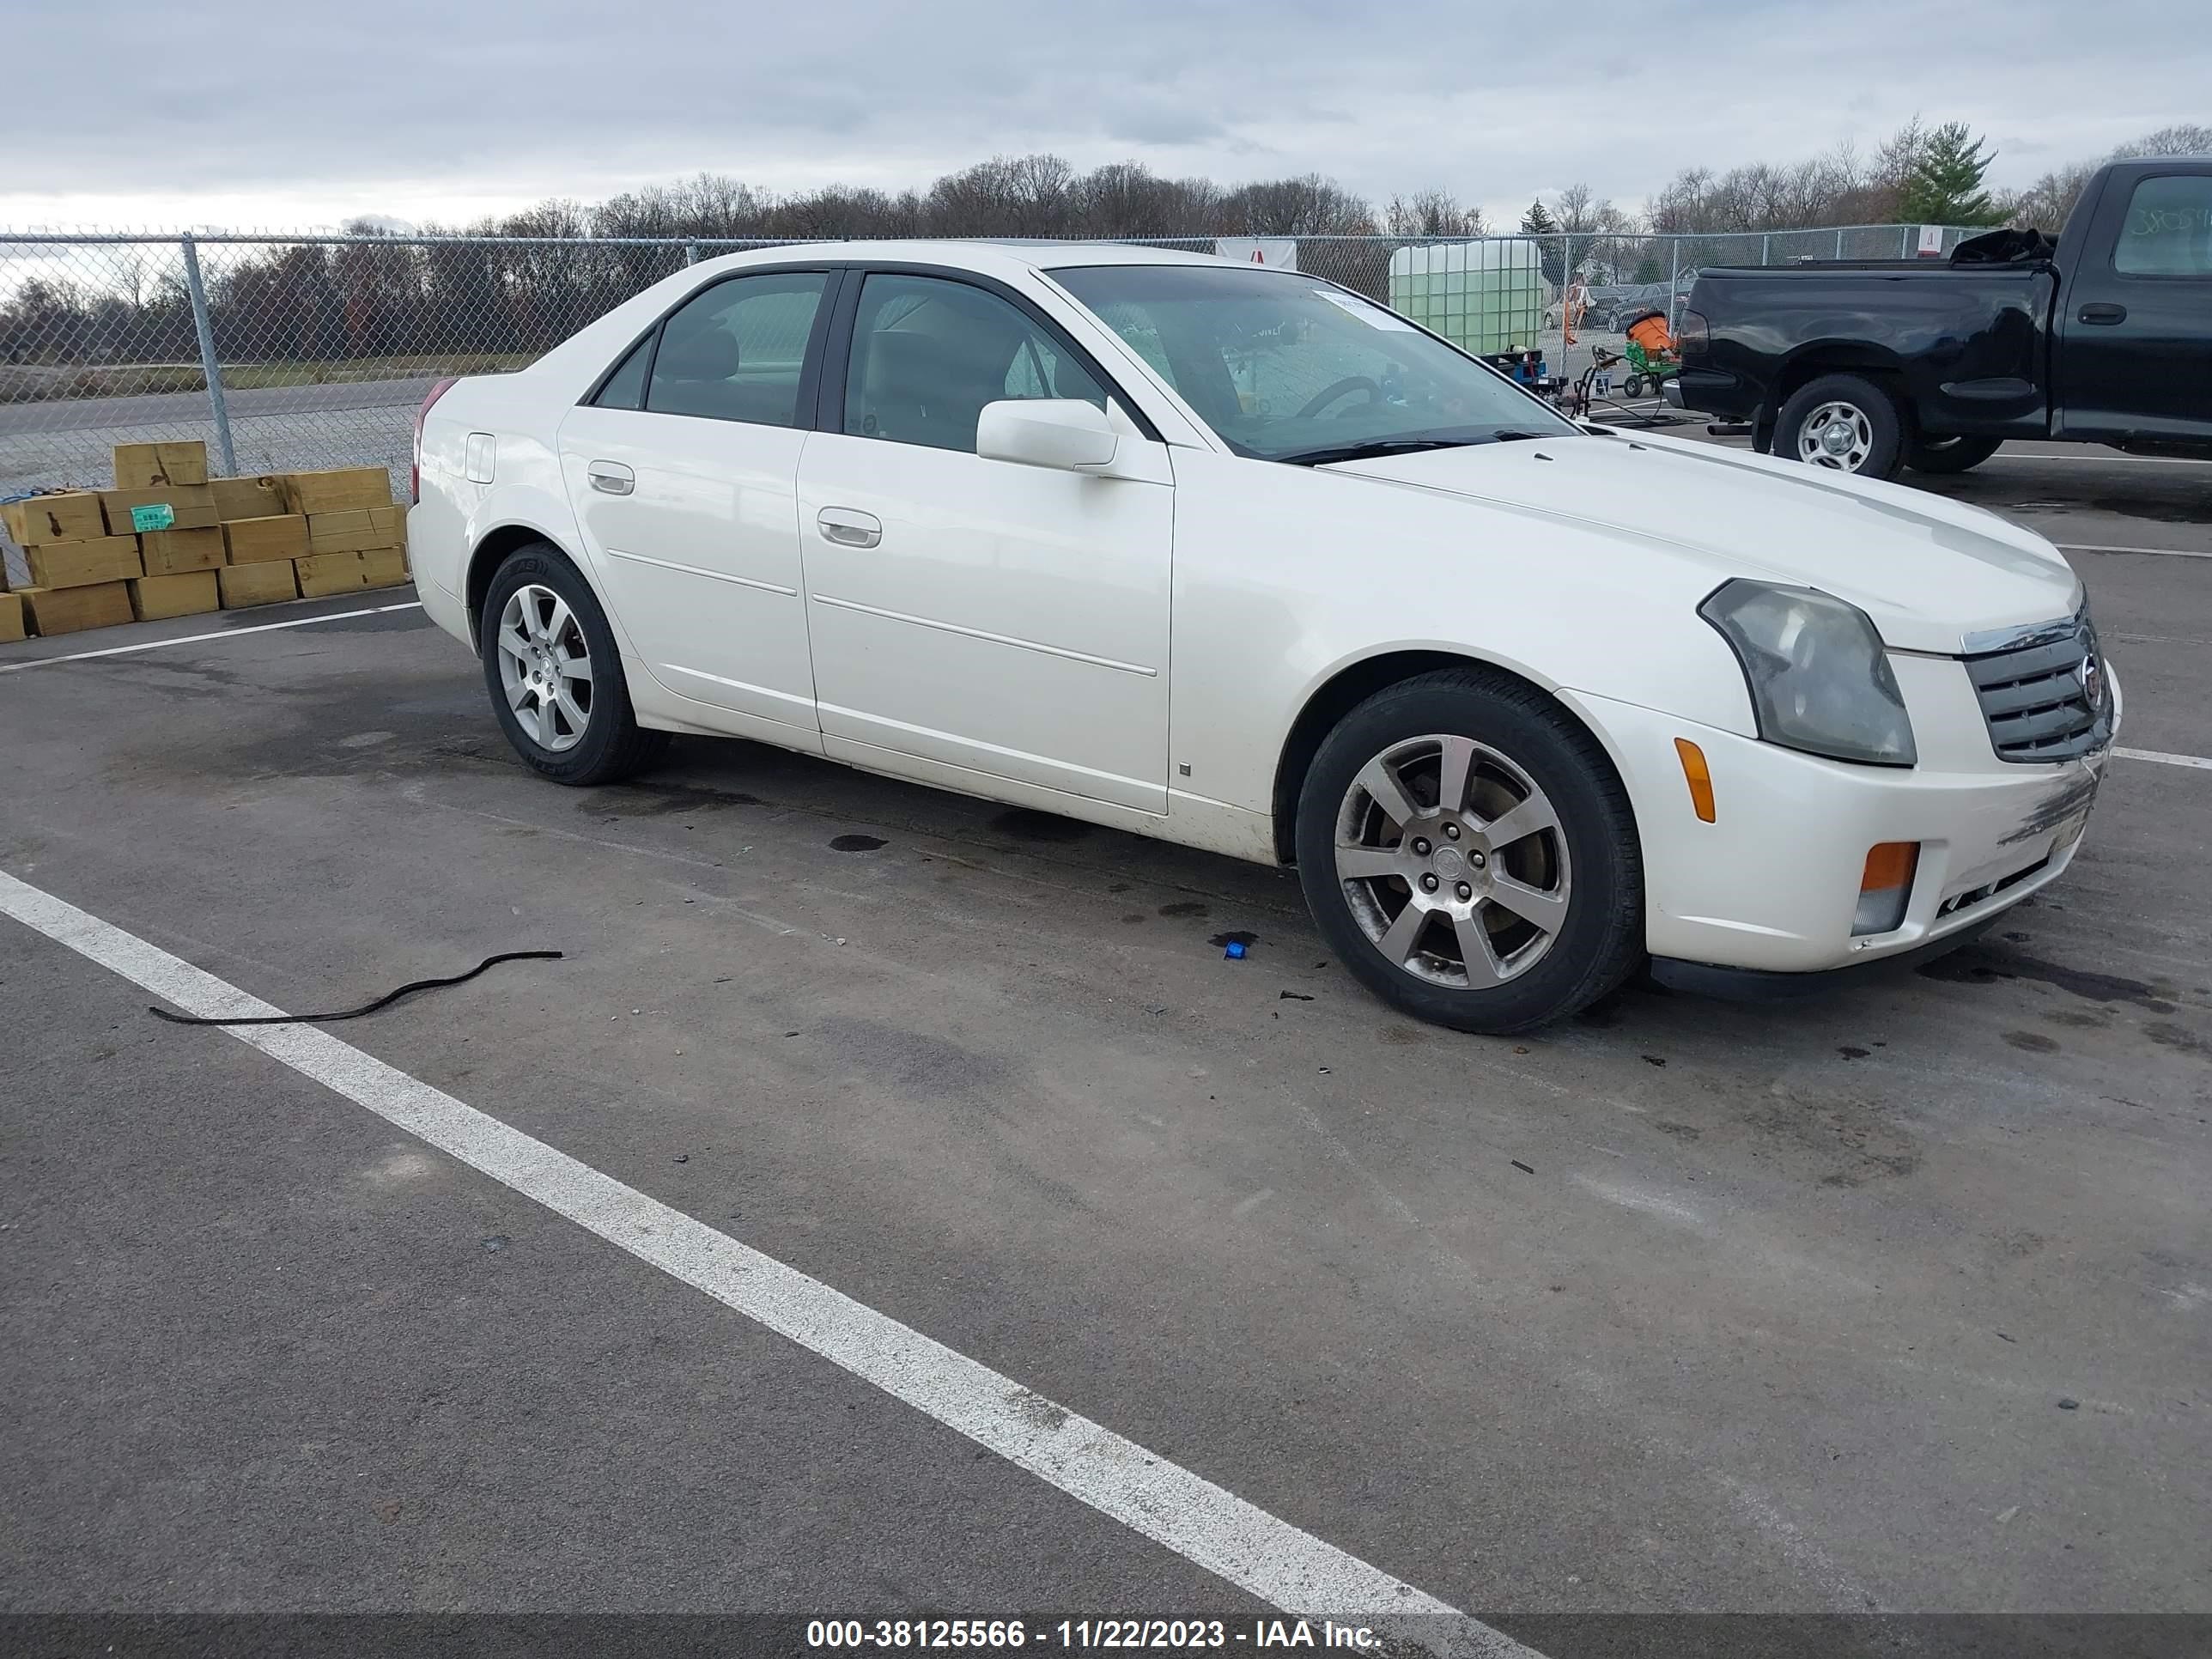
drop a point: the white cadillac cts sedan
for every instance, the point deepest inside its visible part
(1234, 558)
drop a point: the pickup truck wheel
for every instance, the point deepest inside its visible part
(1470, 855)
(1949, 454)
(555, 673)
(1843, 423)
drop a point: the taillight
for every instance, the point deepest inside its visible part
(1691, 333)
(438, 389)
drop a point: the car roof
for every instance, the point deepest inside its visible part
(991, 255)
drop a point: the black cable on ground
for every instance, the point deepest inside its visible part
(383, 1001)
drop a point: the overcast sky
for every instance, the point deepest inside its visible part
(245, 115)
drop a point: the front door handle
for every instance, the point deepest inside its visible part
(848, 527)
(2102, 312)
(611, 477)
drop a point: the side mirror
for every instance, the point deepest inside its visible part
(1065, 433)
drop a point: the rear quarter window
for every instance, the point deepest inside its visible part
(625, 387)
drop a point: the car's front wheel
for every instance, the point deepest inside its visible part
(1470, 855)
(555, 673)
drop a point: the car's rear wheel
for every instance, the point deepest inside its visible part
(555, 673)
(1470, 855)
(1941, 455)
(1845, 422)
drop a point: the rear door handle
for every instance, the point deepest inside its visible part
(848, 527)
(611, 477)
(2101, 312)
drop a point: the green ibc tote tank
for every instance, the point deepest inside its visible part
(1482, 296)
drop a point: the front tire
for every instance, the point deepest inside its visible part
(1843, 423)
(1470, 853)
(555, 673)
(1944, 455)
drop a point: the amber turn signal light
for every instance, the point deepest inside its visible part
(1890, 864)
(1698, 777)
(1885, 886)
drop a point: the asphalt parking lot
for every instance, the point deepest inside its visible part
(1894, 1302)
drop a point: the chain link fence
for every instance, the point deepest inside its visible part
(288, 352)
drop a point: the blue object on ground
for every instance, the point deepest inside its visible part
(1234, 949)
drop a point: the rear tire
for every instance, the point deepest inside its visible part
(1942, 455)
(1845, 422)
(555, 673)
(1470, 855)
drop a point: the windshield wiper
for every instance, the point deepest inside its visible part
(1372, 448)
(1380, 446)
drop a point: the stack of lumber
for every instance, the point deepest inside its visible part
(169, 541)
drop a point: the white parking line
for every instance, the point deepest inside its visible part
(1275, 1561)
(219, 634)
(2163, 552)
(2197, 761)
(2113, 460)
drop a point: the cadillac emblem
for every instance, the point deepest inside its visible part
(2091, 674)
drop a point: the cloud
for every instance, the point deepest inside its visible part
(411, 107)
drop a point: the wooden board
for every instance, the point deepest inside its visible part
(191, 594)
(248, 498)
(73, 517)
(254, 541)
(11, 618)
(72, 610)
(357, 531)
(83, 564)
(191, 506)
(266, 582)
(325, 573)
(149, 466)
(172, 552)
(341, 490)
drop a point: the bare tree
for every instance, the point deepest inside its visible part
(2188, 138)
(1126, 198)
(1005, 196)
(1431, 213)
(2045, 203)
(1309, 206)
(1836, 187)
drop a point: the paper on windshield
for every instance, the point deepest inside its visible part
(1374, 316)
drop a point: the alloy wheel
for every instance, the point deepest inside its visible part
(1453, 861)
(545, 667)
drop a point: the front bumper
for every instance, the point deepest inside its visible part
(1708, 979)
(1772, 882)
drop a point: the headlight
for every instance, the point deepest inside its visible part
(1819, 677)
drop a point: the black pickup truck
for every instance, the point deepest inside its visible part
(2104, 337)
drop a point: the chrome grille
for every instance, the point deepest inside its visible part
(2043, 690)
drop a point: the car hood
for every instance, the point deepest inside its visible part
(1928, 571)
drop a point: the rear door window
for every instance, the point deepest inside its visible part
(737, 352)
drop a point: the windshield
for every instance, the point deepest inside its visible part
(1287, 369)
